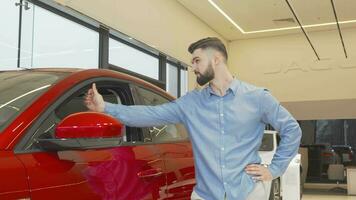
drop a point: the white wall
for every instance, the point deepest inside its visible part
(288, 67)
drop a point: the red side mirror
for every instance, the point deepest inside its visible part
(89, 125)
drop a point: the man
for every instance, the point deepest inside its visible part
(226, 122)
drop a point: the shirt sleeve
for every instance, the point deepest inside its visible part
(145, 116)
(290, 133)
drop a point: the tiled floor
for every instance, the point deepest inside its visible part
(326, 195)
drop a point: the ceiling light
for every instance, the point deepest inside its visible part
(225, 15)
(274, 29)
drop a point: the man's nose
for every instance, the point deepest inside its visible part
(194, 67)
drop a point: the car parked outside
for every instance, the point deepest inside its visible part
(346, 154)
(320, 156)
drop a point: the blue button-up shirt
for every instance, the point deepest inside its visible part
(225, 132)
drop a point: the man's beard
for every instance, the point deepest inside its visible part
(207, 76)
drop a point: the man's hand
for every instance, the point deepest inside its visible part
(259, 172)
(93, 100)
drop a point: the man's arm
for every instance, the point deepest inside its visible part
(139, 116)
(281, 120)
(145, 116)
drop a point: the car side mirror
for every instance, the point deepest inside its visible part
(85, 130)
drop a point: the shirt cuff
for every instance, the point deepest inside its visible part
(274, 171)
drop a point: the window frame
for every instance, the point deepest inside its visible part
(105, 33)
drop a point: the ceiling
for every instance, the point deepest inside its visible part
(256, 18)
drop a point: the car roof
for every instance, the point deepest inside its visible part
(80, 71)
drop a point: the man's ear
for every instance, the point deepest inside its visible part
(217, 58)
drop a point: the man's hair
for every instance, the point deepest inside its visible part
(209, 42)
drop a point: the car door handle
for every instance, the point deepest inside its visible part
(150, 173)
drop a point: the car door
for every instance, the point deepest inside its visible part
(173, 143)
(12, 169)
(127, 171)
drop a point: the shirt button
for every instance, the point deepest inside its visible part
(223, 166)
(221, 115)
(224, 183)
(222, 132)
(222, 148)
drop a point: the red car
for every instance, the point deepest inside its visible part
(52, 148)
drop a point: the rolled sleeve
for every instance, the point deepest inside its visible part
(288, 128)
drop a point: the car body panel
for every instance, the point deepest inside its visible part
(13, 184)
(290, 180)
(180, 169)
(95, 174)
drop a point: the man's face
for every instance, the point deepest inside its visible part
(202, 66)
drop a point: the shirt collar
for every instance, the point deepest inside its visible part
(232, 88)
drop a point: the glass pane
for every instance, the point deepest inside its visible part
(183, 82)
(19, 89)
(49, 40)
(172, 80)
(166, 133)
(330, 131)
(9, 23)
(132, 59)
(350, 134)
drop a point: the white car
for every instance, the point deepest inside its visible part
(288, 185)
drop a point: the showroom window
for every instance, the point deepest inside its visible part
(334, 132)
(50, 35)
(9, 34)
(183, 82)
(132, 59)
(172, 80)
(50, 40)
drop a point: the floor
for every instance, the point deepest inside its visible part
(315, 194)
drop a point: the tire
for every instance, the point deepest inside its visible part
(275, 193)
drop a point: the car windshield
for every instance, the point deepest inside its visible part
(19, 88)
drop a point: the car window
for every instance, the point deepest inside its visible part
(166, 133)
(19, 89)
(73, 104)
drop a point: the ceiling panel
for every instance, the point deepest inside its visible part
(209, 15)
(346, 10)
(267, 17)
(311, 12)
(254, 15)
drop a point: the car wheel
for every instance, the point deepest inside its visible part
(275, 193)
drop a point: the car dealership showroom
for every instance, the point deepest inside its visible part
(178, 99)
